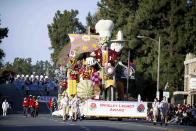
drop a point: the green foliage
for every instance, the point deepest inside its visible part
(117, 11)
(3, 34)
(25, 67)
(63, 23)
(190, 22)
(91, 20)
(172, 20)
(22, 66)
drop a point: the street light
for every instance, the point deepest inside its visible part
(158, 65)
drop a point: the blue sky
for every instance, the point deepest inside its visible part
(27, 23)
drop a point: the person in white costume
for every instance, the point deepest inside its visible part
(155, 106)
(75, 106)
(5, 106)
(65, 104)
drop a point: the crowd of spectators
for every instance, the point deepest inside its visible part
(34, 82)
(178, 114)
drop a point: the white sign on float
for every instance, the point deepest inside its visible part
(166, 94)
(117, 109)
(192, 83)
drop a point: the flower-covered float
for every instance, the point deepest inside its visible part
(91, 67)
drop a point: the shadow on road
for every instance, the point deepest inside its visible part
(57, 128)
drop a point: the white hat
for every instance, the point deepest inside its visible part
(120, 35)
(32, 76)
(104, 28)
(22, 75)
(18, 76)
(27, 75)
(46, 76)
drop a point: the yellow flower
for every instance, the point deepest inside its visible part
(85, 48)
(73, 34)
(86, 38)
(94, 45)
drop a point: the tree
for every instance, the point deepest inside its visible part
(22, 66)
(91, 20)
(63, 23)
(165, 19)
(39, 68)
(43, 68)
(190, 22)
(172, 20)
(117, 11)
(3, 34)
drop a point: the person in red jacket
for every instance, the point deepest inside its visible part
(52, 105)
(25, 105)
(32, 106)
(37, 106)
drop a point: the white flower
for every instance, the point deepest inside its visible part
(72, 39)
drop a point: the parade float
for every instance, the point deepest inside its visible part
(90, 73)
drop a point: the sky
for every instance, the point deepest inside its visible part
(27, 22)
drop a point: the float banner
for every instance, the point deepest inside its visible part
(117, 109)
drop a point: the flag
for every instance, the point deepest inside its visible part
(83, 43)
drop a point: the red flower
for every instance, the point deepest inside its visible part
(93, 105)
(141, 107)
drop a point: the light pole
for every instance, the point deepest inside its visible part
(158, 65)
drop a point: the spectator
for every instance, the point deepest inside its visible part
(164, 110)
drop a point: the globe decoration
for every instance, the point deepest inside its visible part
(131, 71)
(109, 69)
(85, 89)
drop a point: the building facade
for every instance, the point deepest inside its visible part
(188, 96)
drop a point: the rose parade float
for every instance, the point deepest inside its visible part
(90, 73)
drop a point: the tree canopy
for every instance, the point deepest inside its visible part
(24, 66)
(63, 24)
(3, 34)
(171, 20)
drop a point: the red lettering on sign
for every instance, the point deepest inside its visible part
(116, 110)
(126, 106)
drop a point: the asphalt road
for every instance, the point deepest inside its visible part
(16, 122)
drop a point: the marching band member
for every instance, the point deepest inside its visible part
(25, 105)
(32, 106)
(37, 106)
(52, 105)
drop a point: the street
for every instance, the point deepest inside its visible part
(16, 122)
